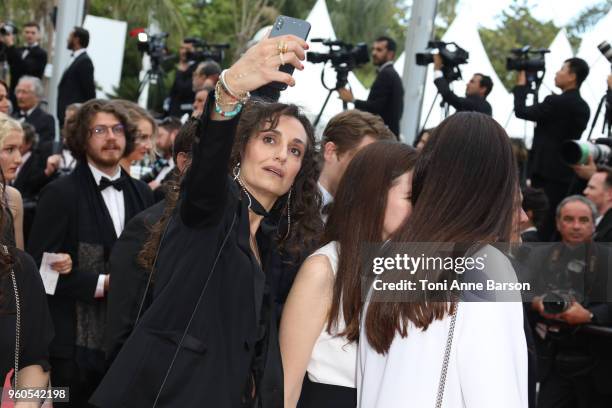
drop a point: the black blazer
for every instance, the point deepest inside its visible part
(43, 122)
(77, 84)
(33, 64)
(473, 103)
(31, 177)
(603, 232)
(558, 118)
(207, 280)
(386, 98)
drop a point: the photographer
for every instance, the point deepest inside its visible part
(558, 118)
(28, 60)
(571, 284)
(386, 97)
(476, 91)
(181, 94)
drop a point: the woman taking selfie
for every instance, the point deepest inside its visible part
(465, 190)
(320, 324)
(209, 336)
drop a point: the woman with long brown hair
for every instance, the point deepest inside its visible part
(464, 190)
(209, 336)
(320, 324)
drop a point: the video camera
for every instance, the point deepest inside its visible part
(205, 51)
(530, 61)
(452, 56)
(344, 55)
(155, 46)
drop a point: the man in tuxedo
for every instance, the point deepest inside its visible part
(77, 83)
(29, 93)
(599, 191)
(476, 91)
(558, 118)
(386, 97)
(79, 217)
(30, 59)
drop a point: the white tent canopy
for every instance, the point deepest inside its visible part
(308, 91)
(560, 50)
(594, 87)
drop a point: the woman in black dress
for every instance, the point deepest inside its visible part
(22, 293)
(209, 336)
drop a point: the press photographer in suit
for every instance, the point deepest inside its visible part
(558, 118)
(30, 59)
(572, 309)
(386, 97)
(476, 91)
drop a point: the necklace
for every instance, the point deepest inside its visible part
(254, 248)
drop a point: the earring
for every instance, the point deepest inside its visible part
(236, 171)
(289, 213)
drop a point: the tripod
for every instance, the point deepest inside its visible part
(154, 76)
(341, 81)
(607, 122)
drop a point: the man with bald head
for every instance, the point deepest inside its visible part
(29, 93)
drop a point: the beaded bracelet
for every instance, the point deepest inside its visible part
(229, 114)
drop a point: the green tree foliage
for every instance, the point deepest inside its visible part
(445, 14)
(585, 20)
(517, 27)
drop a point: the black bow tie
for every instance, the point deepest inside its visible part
(118, 184)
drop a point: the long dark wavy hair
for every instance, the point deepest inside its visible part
(306, 223)
(464, 190)
(357, 216)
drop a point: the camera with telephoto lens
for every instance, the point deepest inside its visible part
(204, 51)
(452, 56)
(8, 28)
(560, 294)
(606, 49)
(578, 151)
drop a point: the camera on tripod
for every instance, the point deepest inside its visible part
(345, 56)
(155, 46)
(204, 51)
(452, 56)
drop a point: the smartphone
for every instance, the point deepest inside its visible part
(288, 25)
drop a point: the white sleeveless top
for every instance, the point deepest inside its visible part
(334, 359)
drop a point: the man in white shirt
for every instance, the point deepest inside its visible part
(80, 216)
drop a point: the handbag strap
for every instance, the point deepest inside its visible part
(18, 317)
(449, 345)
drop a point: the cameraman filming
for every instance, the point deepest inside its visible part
(29, 60)
(558, 118)
(476, 91)
(386, 97)
(181, 94)
(571, 311)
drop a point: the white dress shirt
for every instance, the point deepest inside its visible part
(115, 204)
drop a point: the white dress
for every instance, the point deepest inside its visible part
(487, 365)
(334, 359)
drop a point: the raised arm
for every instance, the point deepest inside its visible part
(204, 190)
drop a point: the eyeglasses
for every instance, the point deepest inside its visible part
(102, 130)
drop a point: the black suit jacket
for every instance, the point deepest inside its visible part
(77, 84)
(558, 118)
(386, 98)
(43, 122)
(33, 64)
(603, 232)
(474, 103)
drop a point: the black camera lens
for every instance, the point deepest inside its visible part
(606, 50)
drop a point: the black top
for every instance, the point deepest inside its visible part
(603, 231)
(558, 118)
(43, 122)
(181, 92)
(210, 296)
(474, 103)
(36, 327)
(386, 98)
(127, 287)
